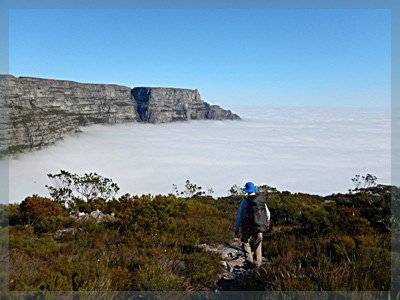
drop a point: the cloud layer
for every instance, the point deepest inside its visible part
(313, 150)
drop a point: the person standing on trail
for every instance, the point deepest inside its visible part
(254, 216)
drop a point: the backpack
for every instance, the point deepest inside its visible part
(256, 215)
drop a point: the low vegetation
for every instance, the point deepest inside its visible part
(338, 242)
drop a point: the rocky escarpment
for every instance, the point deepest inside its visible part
(161, 105)
(40, 111)
(36, 112)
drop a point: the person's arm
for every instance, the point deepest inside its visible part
(240, 214)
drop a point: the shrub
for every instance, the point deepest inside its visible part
(191, 190)
(342, 246)
(35, 209)
(285, 211)
(337, 242)
(68, 188)
(53, 223)
(317, 220)
(202, 269)
(4, 213)
(14, 216)
(352, 223)
(156, 277)
(236, 190)
(364, 181)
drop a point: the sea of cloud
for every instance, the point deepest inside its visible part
(313, 150)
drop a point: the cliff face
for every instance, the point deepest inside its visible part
(42, 110)
(161, 105)
(36, 112)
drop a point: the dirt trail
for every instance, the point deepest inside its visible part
(233, 261)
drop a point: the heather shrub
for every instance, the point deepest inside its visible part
(34, 210)
(14, 214)
(352, 223)
(157, 277)
(53, 223)
(286, 212)
(202, 269)
(4, 215)
(316, 220)
(338, 242)
(341, 246)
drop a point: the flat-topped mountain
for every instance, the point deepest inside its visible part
(160, 105)
(36, 112)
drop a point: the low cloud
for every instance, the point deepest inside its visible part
(313, 150)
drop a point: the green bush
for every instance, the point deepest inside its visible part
(15, 216)
(342, 246)
(35, 209)
(68, 188)
(53, 223)
(156, 277)
(338, 242)
(202, 269)
(4, 215)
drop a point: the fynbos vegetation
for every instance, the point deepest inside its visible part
(366, 181)
(83, 238)
(70, 189)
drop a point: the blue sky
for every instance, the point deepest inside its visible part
(234, 57)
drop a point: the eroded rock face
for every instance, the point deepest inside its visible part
(162, 105)
(36, 112)
(41, 111)
(214, 112)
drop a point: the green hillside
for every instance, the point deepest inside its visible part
(337, 242)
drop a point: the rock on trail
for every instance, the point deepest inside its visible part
(233, 261)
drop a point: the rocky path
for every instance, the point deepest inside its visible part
(233, 261)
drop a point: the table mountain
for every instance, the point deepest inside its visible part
(36, 112)
(161, 105)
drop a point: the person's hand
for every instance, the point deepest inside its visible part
(267, 224)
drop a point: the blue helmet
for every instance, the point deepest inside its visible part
(249, 188)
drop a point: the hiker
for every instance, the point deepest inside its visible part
(254, 216)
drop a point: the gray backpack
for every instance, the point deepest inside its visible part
(255, 219)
